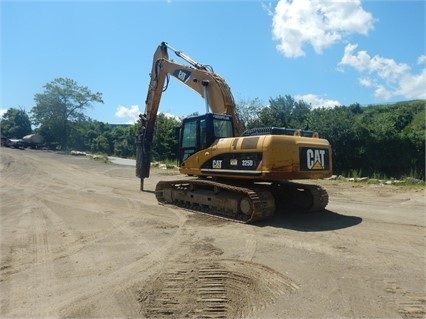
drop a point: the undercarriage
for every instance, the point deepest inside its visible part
(245, 203)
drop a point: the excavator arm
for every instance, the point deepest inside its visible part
(199, 77)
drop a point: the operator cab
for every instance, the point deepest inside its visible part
(199, 132)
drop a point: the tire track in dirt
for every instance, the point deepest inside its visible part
(41, 253)
(409, 304)
(197, 282)
(213, 289)
(17, 254)
(71, 242)
(42, 283)
(412, 305)
(17, 171)
(249, 249)
(113, 289)
(112, 284)
(66, 252)
(64, 237)
(22, 180)
(39, 274)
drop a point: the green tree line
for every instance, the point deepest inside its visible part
(377, 139)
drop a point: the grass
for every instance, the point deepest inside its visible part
(101, 158)
(414, 178)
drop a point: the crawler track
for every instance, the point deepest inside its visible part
(304, 198)
(246, 203)
(242, 204)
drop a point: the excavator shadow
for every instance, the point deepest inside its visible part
(311, 222)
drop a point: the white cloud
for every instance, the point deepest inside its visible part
(413, 86)
(316, 101)
(365, 82)
(421, 59)
(130, 113)
(320, 23)
(2, 112)
(268, 8)
(171, 116)
(387, 77)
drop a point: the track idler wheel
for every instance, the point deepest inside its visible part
(246, 206)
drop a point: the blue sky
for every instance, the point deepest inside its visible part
(324, 52)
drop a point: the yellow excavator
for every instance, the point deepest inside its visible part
(245, 176)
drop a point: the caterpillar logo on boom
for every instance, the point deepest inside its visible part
(314, 159)
(182, 75)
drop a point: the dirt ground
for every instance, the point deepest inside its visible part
(78, 239)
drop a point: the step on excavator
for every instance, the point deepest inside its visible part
(244, 177)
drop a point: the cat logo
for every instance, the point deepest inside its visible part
(314, 159)
(217, 163)
(182, 75)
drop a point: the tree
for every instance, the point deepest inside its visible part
(395, 137)
(101, 145)
(285, 112)
(82, 133)
(338, 126)
(63, 101)
(165, 142)
(15, 123)
(248, 113)
(124, 140)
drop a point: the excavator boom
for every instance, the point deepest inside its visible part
(199, 78)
